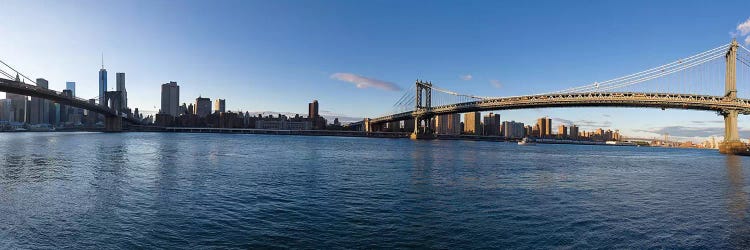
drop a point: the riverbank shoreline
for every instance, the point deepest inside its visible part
(340, 133)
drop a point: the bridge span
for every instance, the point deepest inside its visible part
(592, 99)
(113, 114)
(690, 70)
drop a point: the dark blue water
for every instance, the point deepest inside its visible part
(145, 190)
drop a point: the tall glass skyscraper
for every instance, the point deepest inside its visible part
(102, 85)
(71, 86)
(120, 81)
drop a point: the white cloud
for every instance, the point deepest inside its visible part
(744, 28)
(363, 82)
(466, 77)
(747, 40)
(496, 83)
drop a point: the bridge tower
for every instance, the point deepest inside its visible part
(114, 101)
(732, 143)
(423, 111)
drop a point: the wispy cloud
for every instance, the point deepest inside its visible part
(708, 122)
(496, 83)
(363, 82)
(744, 28)
(561, 120)
(685, 131)
(466, 77)
(693, 132)
(593, 124)
(582, 123)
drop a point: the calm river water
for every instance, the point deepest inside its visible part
(145, 190)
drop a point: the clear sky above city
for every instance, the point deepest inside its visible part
(279, 55)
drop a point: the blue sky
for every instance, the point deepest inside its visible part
(279, 55)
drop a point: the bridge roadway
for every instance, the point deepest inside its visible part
(592, 99)
(15, 87)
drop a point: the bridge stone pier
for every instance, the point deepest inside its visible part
(113, 123)
(731, 143)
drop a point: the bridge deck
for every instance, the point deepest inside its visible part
(606, 99)
(15, 87)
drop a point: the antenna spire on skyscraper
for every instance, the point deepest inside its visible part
(102, 60)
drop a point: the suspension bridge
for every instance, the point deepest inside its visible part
(114, 113)
(693, 83)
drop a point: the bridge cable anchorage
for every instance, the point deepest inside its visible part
(633, 78)
(17, 72)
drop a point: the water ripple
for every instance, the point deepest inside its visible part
(152, 190)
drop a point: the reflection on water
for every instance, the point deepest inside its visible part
(152, 190)
(737, 202)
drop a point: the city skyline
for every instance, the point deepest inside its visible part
(373, 91)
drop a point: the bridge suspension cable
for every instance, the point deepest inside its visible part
(654, 76)
(702, 73)
(16, 71)
(456, 93)
(743, 71)
(652, 73)
(744, 56)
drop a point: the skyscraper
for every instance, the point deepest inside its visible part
(39, 110)
(102, 84)
(6, 110)
(71, 86)
(55, 114)
(573, 131)
(545, 127)
(120, 81)
(202, 106)
(19, 107)
(492, 124)
(312, 110)
(313, 115)
(472, 123)
(528, 131)
(513, 130)
(562, 131)
(170, 98)
(220, 105)
(449, 124)
(541, 127)
(66, 111)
